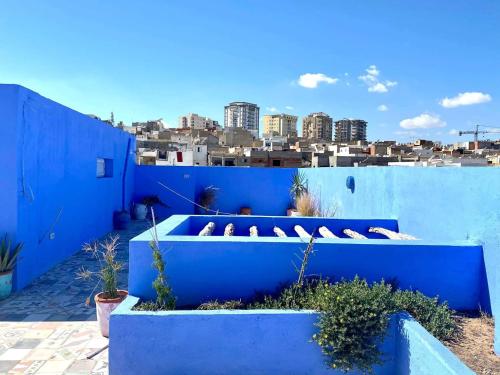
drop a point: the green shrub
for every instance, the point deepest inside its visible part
(354, 324)
(435, 317)
(226, 305)
(313, 295)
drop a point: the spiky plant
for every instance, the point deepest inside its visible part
(107, 275)
(299, 185)
(8, 255)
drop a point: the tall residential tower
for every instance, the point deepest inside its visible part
(317, 126)
(349, 130)
(282, 124)
(242, 115)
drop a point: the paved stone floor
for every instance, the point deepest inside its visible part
(47, 328)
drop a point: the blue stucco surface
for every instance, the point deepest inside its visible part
(216, 267)
(50, 178)
(264, 190)
(221, 342)
(255, 342)
(442, 204)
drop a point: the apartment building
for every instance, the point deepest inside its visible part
(349, 130)
(242, 115)
(317, 126)
(280, 124)
(193, 121)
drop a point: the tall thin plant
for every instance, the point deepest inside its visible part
(165, 299)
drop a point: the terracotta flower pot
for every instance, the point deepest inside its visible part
(245, 211)
(104, 307)
(5, 284)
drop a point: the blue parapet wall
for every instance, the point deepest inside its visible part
(222, 342)
(216, 267)
(433, 203)
(264, 190)
(53, 201)
(255, 342)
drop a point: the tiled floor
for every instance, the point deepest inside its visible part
(48, 329)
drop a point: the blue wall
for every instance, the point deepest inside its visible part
(255, 342)
(9, 112)
(54, 152)
(221, 342)
(216, 267)
(265, 190)
(443, 204)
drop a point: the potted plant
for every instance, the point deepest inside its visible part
(297, 189)
(207, 198)
(110, 296)
(8, 259)
(141, 209)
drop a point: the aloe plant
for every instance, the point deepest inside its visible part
(8, 255)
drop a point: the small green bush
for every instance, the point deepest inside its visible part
(226, 305)
(435, 317)
(313, 295)
(354, 324)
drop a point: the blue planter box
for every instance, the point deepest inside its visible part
(254, 342)
(216, 267)
(278, 341)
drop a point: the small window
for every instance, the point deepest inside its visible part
(276, 163)
(104, 168)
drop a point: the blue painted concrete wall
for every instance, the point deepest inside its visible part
(216, 267)
(9, 111)
(53, 155)
(255, 342)
(265, 190)
(221, 342)
(431, 203)
(418, 352)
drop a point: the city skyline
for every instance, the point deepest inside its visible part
(423, 71)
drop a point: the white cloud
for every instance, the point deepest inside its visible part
(465, 98)
(423, 121)
(372, 70)
(289, 107)
(312, 80)
(272, 109)
(378, 87)
(382, 108)
(371, 80)
(453, 132)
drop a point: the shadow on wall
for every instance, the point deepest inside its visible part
(68, 168)
(266, 191)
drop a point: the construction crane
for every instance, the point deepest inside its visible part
(477, 131)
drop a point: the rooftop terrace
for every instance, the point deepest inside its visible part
(53, 201)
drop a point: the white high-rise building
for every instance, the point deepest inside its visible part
(242, 115)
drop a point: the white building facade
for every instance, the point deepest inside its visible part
(242, 115)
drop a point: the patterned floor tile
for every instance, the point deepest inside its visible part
(5, 366)
(47, 328)
(14, 354)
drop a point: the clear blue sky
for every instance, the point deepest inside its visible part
(151, 59)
